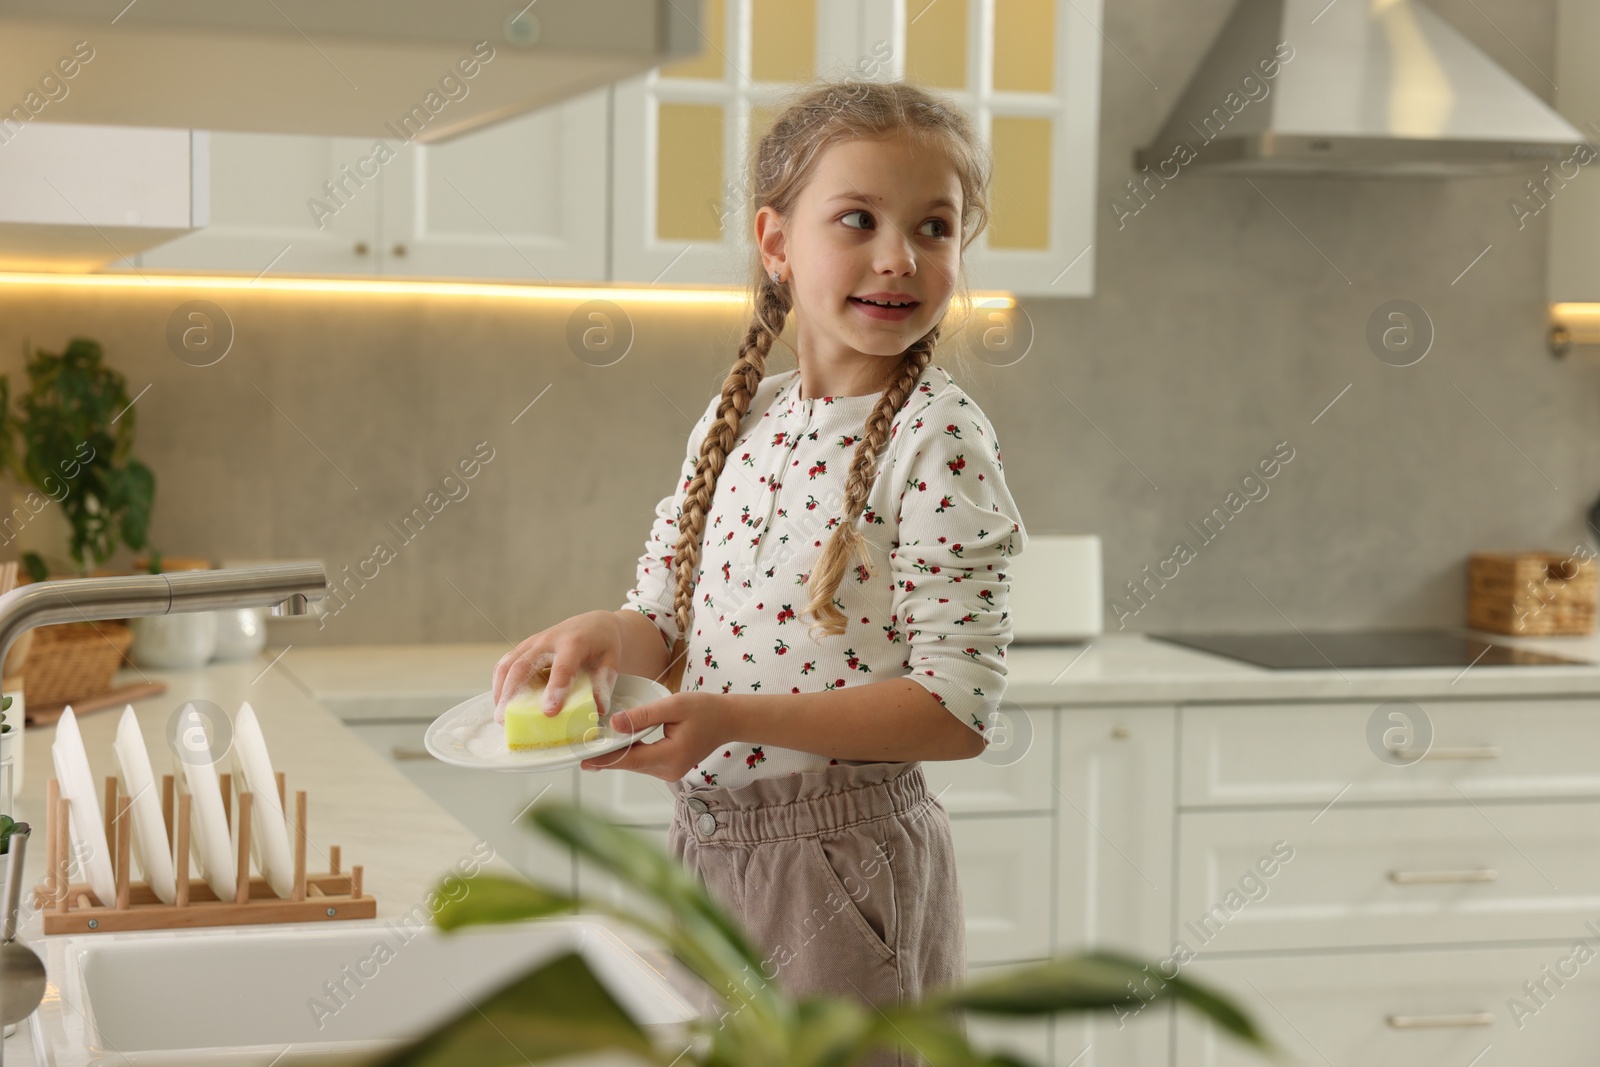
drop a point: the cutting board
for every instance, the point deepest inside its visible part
(45, 714)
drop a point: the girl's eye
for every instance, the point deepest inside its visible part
(943, 231)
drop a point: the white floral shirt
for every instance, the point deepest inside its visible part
(942, 526)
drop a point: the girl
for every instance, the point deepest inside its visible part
(863, 492)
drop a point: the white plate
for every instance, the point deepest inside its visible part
(210, 837)
(151, 849)
(269, 834)
(87, 827)
(468, 736)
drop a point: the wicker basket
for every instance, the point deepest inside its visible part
(1531, 593)
(74, 660)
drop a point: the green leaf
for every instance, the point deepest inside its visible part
(78, 456)
(1089, 982)
(830, 1032)
(560, 1009)
(494, 898)
(34, 565)
(634, 860)
(934, 1039)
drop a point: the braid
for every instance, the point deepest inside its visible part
(738, 388)
(847, 543)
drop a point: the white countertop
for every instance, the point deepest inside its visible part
(405, 842)
(1112, 669)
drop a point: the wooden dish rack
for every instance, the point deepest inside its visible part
(74, 909)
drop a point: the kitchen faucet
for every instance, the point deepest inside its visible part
(287, 588)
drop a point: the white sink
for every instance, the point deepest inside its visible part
(242, 996)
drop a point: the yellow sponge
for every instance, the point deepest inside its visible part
(527, 725)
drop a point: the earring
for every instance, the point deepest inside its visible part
(775, 277)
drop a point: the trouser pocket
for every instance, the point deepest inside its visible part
(841, 862)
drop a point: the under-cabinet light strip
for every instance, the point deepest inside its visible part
(387, 287)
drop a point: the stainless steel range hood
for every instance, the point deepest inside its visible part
(421, 70)
(1373, 88)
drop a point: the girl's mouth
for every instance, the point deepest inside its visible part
(884, 310)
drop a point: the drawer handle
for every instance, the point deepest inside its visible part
(1466, 752)
(1430, 1022)
(400, 752)
(1481, 874)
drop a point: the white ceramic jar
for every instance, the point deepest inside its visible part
(168, 642)
(241, 633)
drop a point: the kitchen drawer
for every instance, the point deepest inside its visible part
(488, 804)
(1380, 876)
(1005, 866)
(1016, 774)
(1023, 1037)
(1307, 754)
(1403, 1009)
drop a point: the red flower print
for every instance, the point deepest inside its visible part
(956, 465)
(756, 756)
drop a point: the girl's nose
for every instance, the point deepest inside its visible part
(895, 254)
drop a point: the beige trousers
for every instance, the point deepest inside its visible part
(844, 879)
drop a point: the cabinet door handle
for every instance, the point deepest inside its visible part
(361, 248)
(399, 250)
(1465, 752)
(401, 752)
(1480, 874)
(1427, 1022)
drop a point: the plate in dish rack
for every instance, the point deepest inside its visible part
(468, 736)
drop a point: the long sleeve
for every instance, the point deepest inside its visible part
(959, 530)
(652, 592)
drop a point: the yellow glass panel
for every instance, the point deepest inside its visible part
(783, 40)
(1024, 46)
(689, 203)
(762, 120)
(1020, 194)
(713, 46)
(936, 43)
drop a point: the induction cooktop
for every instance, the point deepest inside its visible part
(1332, 649)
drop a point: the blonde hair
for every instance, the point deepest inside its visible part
(813, 119)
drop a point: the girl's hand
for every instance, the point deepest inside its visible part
(591, 641)
(696, 723)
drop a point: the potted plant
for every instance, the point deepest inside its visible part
(560, 1009)
(76, 425)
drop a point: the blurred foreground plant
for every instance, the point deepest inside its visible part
(561, 1009)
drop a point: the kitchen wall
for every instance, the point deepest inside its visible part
(1228, 317)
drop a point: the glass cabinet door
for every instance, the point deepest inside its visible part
(1028, 72)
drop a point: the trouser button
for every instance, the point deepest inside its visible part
(697, 805)
(706, 824)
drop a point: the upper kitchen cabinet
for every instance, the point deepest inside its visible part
(74, 198)
(522, 200)
(355, 68)
(1027, 71)
(264, 188)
